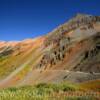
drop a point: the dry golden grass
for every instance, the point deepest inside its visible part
(91, 85)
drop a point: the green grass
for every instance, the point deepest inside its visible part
(42, 91)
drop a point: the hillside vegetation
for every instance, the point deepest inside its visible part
(43, 91)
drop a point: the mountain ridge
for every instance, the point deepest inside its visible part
(71, 52)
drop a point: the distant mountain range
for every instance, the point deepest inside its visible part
(71, 52)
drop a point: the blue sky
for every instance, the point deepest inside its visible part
(21, 19)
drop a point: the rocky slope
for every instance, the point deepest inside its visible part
(70, 52)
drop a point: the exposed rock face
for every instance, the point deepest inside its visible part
(60, 42)
(82, 21)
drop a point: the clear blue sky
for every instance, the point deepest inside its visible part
(21, 19)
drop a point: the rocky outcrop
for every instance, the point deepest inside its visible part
(83, 21)
(59, 42)
(55, 54)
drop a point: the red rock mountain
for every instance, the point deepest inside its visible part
(71, 52)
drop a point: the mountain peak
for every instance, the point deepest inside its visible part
(71, 51)
(82, 15)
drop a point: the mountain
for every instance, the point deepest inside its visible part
(71, 52)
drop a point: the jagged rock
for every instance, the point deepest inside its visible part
(61, 42)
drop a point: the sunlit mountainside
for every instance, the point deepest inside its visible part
(69, 53)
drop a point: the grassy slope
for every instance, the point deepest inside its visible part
(91, 85)
(10, 63)
(62, 91)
